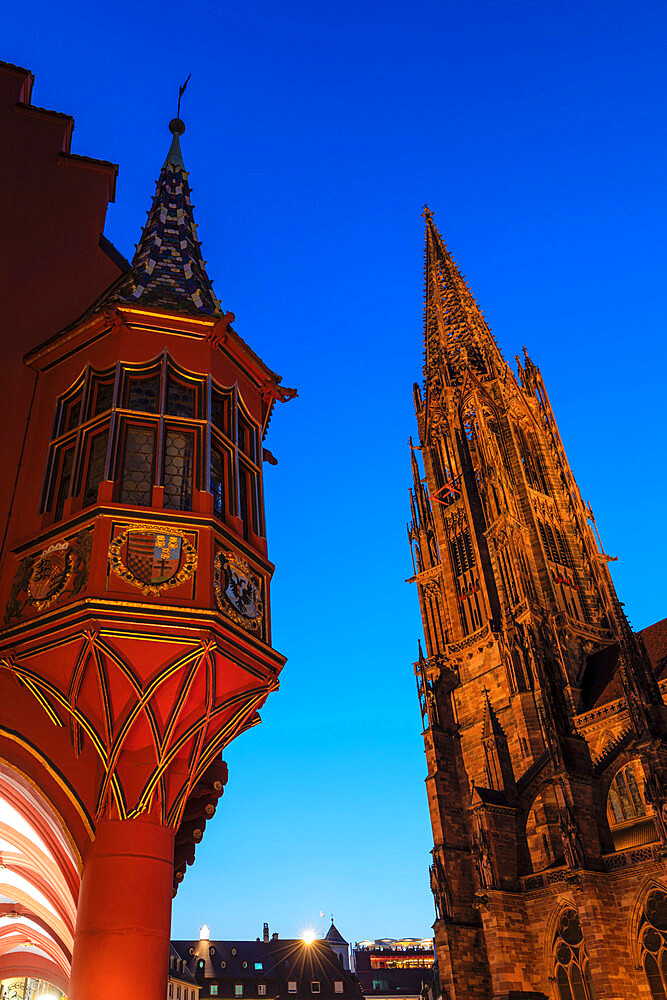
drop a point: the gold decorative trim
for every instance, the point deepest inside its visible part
(188, 558)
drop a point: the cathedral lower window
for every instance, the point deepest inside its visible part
(630, 817)
(653, 941)
(571, 967)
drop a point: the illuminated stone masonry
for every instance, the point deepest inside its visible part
(544, 723)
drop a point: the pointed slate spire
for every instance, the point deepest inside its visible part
(334, 936)
(167, 269)
(456, 334)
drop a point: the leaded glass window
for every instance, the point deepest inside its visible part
(138, 462)
(218, 481)
(221, 412)
(181, 399)
(572, 969)
(653, 941)
(178, 469)
(73, 413)
(64, 481)
(103, 397)
(100, 439)
(143, 393)
(97, 459)
(247, 438)
(625, 801)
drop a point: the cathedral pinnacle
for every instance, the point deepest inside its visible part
(457, 336)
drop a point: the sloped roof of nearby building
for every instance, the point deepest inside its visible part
(654, 638)
(334, 936)
(602, 683)
(178, 966)
(281, 960)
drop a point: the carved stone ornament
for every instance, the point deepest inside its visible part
(482, 857)
(152, 557)
(49, 575)
(61, 570)
(573, 847)
(238, 592)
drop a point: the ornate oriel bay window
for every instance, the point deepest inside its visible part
(142, 426)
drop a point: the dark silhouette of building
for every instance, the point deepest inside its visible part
(339, 946)
(544, 723)
(270, 967)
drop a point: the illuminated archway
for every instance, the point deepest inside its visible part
(39, 883)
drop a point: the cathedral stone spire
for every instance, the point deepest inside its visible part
(456, 333)
(167, 269)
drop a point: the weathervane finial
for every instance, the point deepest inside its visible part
(181, 91)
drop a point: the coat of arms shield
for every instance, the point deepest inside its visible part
(49, 575)
(238, 591)
(153, 558)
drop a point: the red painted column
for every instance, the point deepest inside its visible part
(123, 924)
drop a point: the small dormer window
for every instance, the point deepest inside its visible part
(338, 986)
(238, 990)
(315, 986)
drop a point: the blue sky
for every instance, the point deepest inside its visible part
(315, 134)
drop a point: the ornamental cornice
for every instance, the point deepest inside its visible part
(585, 630)
(484, 638)
(426, 574)
(588, 719)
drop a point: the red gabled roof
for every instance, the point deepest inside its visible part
(654, 638)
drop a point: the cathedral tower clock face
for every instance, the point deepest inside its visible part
(238, 591)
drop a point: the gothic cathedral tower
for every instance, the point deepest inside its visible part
(543, 718)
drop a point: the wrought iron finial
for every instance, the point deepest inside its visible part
(177, 125)
(181, 91)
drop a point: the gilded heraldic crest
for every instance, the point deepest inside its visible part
(50, 573)
(152, 557)
(58, 572)
(238, 591)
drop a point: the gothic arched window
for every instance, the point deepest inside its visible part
(653, 941)
(625, 801)
(571, 967)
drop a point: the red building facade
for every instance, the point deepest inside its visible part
(544, 722)
(135, 579)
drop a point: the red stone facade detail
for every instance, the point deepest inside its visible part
(135, 627)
